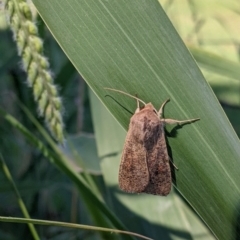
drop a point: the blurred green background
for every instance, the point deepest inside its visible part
(210, 30)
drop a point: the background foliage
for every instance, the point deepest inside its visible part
(79, 183)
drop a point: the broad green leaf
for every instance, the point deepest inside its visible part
(132, 46)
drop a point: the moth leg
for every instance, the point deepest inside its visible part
(173, 121)
(160, 112)
(173, 163)
(138, 106)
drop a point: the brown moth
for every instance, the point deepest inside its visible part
(145, 163)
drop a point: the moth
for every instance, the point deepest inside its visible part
(145, 163)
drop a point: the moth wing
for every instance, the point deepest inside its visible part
(160, 181)
(133, 171)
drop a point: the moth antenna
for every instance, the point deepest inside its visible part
(119, 91)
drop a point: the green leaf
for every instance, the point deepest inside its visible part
(132, 46)
(69, 225)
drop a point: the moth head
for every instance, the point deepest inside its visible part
(150, 107)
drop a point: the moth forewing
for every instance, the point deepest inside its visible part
(156, 153)
(133, 171)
